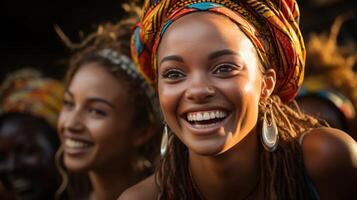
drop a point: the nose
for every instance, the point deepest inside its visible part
(200, 89)
(73, 121)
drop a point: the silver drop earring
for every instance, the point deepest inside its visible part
(270, 135)
(164, 141)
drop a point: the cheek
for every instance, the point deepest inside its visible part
(61, 120)
(252, 90)
(252, 86)
(244, 94)
(101, 130)
(251, 96)
(110, 131)
(37, 160)
(113, 140)
(169, 97)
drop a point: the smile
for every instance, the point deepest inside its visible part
(21, 185)
(76, 144)
(206, 119)
(206, 115)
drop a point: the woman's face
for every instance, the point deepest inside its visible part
(26, 158)
(95, 124)
(209, 82)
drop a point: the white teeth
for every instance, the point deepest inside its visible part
(21, 184)
(199, 117)
(70, 143)
(206, 115)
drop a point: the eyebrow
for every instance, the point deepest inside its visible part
(220, 53)
(211, 56)
(172, 57)
(94, 99)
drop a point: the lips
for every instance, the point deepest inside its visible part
(21, 185)
(205, 122)
(76, 146)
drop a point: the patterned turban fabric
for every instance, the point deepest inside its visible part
(272, 26)
(26, 91)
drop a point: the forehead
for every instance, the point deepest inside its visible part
(203, 31)
(14, 131)
(13, 134)
(93, 80)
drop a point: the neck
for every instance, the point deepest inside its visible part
(109, 183)
(232, 174)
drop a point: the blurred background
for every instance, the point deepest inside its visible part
(27, 36)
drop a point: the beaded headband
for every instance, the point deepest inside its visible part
(127, 66)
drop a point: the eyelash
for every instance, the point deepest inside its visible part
(96, 112)
(231, 67)
(173, 74)
(67, 103)
(176, 74)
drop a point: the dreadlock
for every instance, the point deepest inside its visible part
(282, 171)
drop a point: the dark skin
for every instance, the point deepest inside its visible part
(5, 194)
(231, 83)
(26, 166)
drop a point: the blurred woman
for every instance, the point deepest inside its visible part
(109, 121)
(30, 105)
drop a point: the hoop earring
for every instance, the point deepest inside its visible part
(270, 135)
(164, 141)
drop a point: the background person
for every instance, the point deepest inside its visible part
(109, 122)
(29, 106)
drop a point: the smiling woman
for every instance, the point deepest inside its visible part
(226, 74)
(108, 124)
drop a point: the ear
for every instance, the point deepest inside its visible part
(143, 135)
(268, 84)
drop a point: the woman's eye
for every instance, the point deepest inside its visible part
(173, 74)
(68, 103)
(226, 69)
(96, 112)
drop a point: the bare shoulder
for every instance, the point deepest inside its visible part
(330, 158)
(146, 189)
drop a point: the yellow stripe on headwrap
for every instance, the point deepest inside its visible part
(26, 91)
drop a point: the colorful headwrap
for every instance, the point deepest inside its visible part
(272, 26)
(26, 91)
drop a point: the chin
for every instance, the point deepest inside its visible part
(76, 165)
(207, 148)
